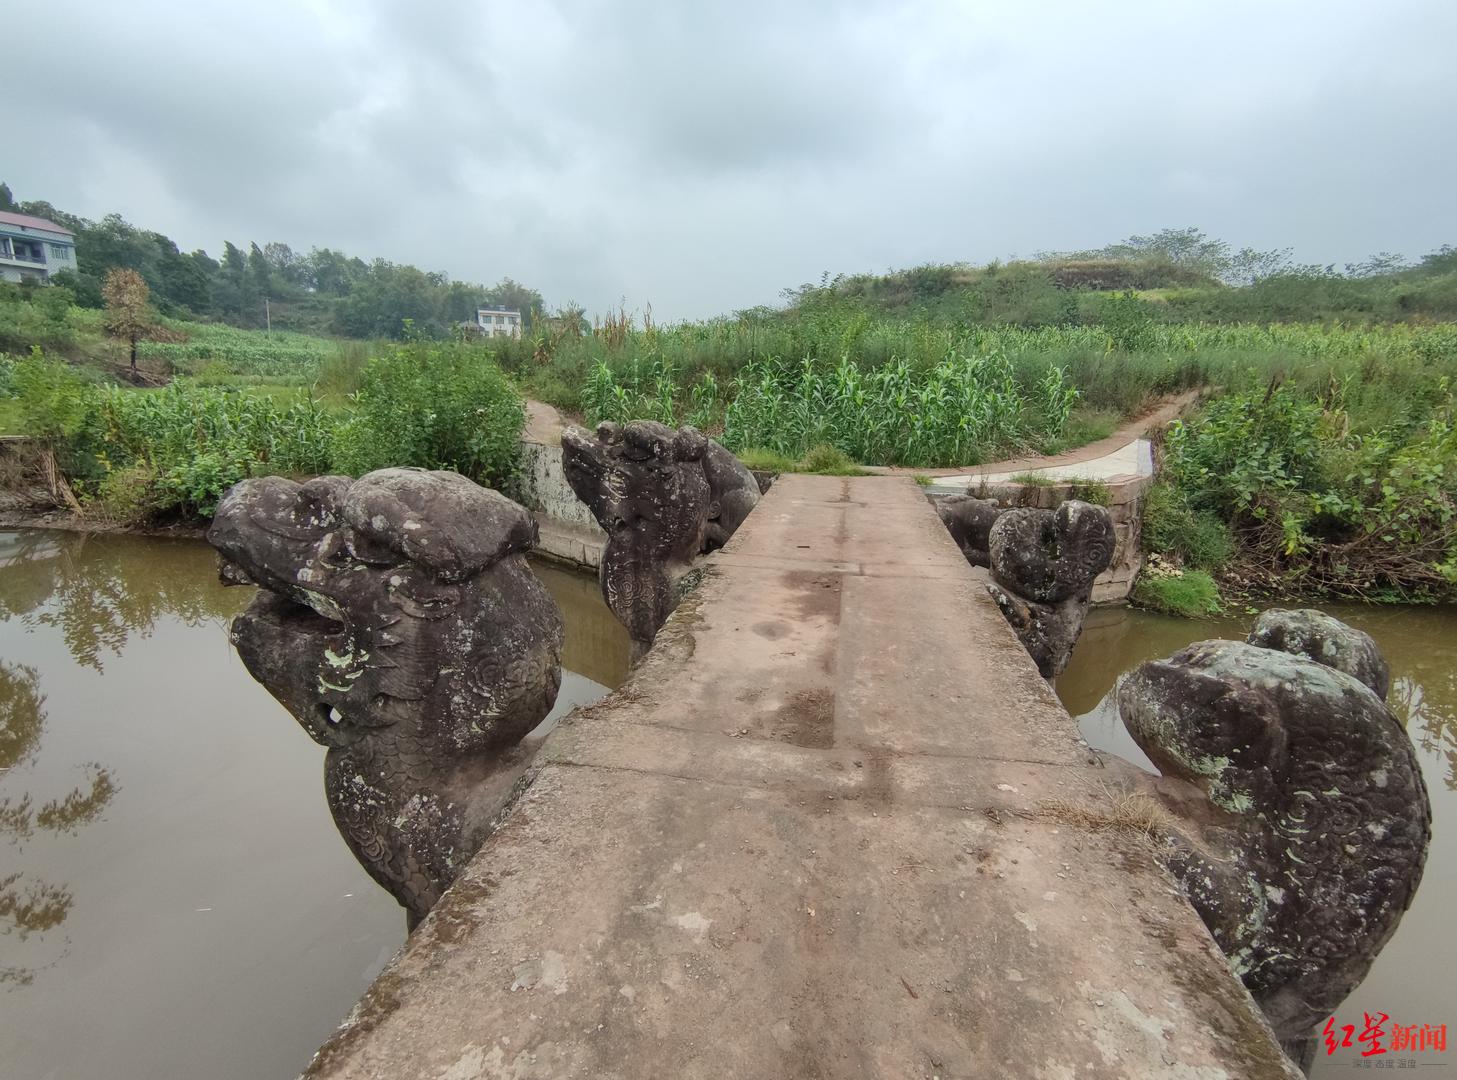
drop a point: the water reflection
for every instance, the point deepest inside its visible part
(100, 591)
(28, 904)
(96, 596)
(1430, 715)
(171, 882)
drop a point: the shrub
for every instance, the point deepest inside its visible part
(53, 397)
(761, 460)
(828, 461)
(1199, 540)
(437, 406)
(1247, 445)
(1313, 502)
(7, 375)
(127, 496)
(1126, 318)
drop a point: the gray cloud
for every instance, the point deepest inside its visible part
(703, 156)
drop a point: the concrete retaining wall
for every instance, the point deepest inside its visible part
(568, 530)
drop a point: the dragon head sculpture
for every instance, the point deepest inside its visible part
(399, 622)
(663, 496)
(1042, 562)
(1308, 836)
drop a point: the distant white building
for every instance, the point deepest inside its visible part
(499, 322)
(32, 248)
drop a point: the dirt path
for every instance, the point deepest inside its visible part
(1160, 414)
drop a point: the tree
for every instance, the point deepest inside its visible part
(513, 294)
(288, 266)
(127, 316)
(228, 294)
(113, 242)
(1249, 266)
(7, 200)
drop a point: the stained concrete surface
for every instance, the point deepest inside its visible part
(808, 838)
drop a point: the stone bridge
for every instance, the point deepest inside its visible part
(810, 837)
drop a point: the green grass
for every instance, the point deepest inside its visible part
(761, 460)
(1190, 594)
(828, 461)
(1033, 479)
(1085, 425)
(821, 460)
(10, 417)
(1089, 490)
(1197, 539)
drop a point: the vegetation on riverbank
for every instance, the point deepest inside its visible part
(1352, 492)
(132, 455)
(1324, 463)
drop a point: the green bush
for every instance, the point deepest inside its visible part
(127, 496)
(1190, 594)
(1196, 539)
(1246, 446)
(36, 317)
(56, 401)
(1313, 501)
(761, 460)
(437, 406)
(828, 461)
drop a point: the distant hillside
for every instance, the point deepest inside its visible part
(1178, 274)
(321, 292)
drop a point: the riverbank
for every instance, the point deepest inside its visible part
(70, 521)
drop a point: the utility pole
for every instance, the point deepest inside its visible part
(267, 315)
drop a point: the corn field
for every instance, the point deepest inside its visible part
(957, 412)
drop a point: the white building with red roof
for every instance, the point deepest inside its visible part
(32, 248)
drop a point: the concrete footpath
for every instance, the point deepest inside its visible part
(808, 839)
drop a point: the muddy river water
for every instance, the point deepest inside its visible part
(175, 902)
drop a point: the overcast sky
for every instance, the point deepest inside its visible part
(701, 156)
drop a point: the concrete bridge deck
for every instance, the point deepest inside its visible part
(804, 841)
